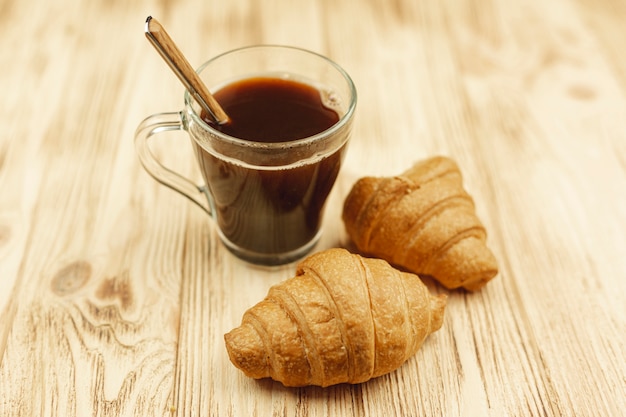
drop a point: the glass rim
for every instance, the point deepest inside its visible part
(344, 118)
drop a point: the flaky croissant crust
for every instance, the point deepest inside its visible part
(424, 221)
(342, 319)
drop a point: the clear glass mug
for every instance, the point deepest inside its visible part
(267, 199)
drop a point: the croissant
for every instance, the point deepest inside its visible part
(342, 319)
(423, 221)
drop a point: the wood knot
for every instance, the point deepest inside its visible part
(582, 92)
(5, 234)
(71, 278)
(119, 288)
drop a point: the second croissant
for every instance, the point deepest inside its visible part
(424, 221)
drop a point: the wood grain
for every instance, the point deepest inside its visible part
(115, 292)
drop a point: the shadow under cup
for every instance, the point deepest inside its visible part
(268, 199)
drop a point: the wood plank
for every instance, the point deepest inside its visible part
(115, 292)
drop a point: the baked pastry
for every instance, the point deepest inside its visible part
(342, 319)
(423, 221)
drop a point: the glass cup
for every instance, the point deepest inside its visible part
(267, 198)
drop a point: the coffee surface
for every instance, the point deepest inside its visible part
(267, 109)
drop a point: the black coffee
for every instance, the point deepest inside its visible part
(271, 211)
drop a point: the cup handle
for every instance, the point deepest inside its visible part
(149, 127)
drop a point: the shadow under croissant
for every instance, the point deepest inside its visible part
(314, 393)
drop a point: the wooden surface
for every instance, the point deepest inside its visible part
(115, 292)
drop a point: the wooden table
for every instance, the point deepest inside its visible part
(116, 293)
